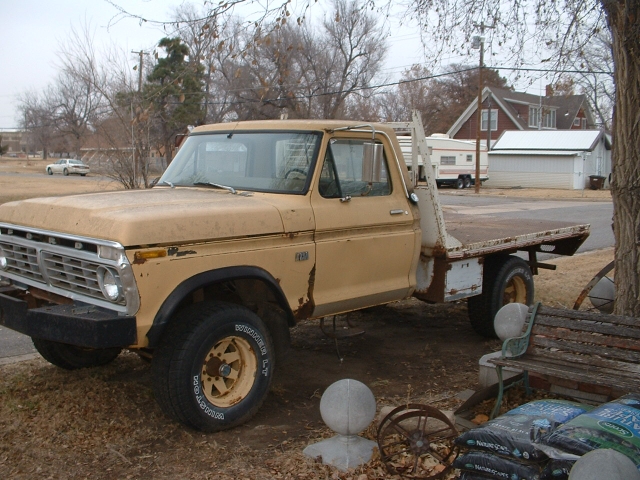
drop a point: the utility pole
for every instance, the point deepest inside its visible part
(478, 42)
(141, 53)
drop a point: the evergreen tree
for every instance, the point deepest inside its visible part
(175, 92)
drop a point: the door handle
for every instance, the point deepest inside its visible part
(397, 211)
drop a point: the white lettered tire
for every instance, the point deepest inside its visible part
(214, 366)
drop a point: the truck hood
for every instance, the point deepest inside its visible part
(147, 217)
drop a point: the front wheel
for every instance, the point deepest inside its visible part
(214, 366)
(72, 357)
(49, 171)
(467, 182)
(506, 279)
(65, 172)
(459, 183)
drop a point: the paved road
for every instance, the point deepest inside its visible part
(598, 214)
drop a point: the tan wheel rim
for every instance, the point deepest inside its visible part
(228, 372)
(515, 291)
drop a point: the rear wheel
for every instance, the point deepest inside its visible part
(467, 182)
(65, 172)
(214, 366)
(459, 183)
(506, 279)
(72, 357)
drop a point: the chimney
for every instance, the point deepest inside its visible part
(549, 91)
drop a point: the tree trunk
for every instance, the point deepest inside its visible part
(624, 21)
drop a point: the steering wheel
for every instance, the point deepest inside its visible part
(296, 170)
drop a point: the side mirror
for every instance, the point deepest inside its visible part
(372, 155)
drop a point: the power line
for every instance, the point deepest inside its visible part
(381, 85)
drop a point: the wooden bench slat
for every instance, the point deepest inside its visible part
(613, 366)
(587, 348)
(584, 337)
(559, 371)
(590, 316)
(587, 326)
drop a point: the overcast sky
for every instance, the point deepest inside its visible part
(32, 30)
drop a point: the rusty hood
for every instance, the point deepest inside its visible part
(149, 217)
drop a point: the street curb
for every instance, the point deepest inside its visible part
(19, 358)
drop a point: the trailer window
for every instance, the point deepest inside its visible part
(447, 160)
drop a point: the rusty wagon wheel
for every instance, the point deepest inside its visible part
(416, 441)
(592, 283)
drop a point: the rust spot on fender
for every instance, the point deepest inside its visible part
(435, 291)
(138, 260)
(186, 252)
(305, 307)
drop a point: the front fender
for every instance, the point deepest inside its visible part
(172, 302)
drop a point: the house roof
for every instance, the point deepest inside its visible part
(559, 153)
(567, 107)
(548, 140)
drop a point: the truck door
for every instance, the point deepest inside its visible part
(365, 234)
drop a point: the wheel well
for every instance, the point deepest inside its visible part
(250, 287)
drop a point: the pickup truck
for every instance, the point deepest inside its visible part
(253, 227)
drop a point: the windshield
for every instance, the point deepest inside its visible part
(278, 162)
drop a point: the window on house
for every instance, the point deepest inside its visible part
(549, 119)
(447, 160)
(494, 120)
(584, 123)
(576, 122)
(469, 158)
(533, 117)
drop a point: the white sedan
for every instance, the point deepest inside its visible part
(66, 166)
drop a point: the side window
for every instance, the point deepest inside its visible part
(342, 172)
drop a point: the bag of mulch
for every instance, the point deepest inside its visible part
(493, 466)
(557, 469)
(614, 425)
(512, 434)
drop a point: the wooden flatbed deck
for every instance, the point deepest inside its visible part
(485, 234)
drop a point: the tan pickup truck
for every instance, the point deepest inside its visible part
(254, 226)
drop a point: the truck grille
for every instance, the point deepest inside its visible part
(22, 261)
(67, 265)
(72, 274)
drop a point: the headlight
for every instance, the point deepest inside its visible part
(110, 283)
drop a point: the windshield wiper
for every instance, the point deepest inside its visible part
(217, 185)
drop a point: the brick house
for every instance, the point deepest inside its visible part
(511, 110)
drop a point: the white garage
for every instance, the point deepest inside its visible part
(565, 159)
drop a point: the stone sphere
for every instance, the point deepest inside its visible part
(510, 320)
(604, 463)
(602, 295)
(347, 407)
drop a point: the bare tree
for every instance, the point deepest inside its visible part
(37, 120)
(598, 87)
(118, 137)
(355, 54)
(259, 71)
